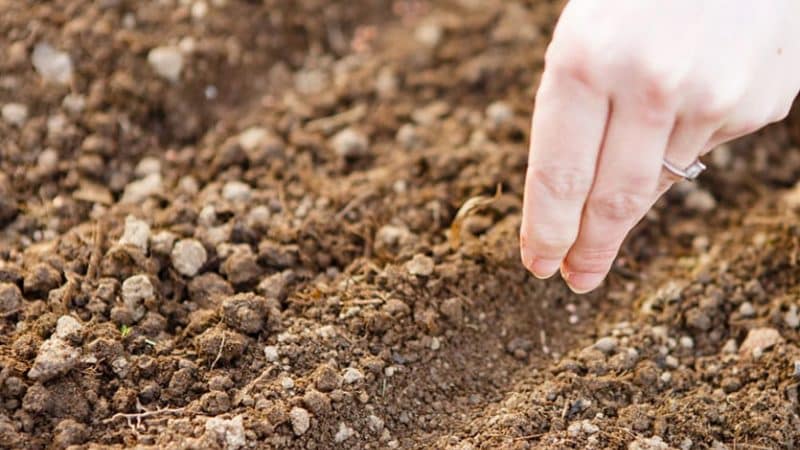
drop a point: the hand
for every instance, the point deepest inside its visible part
(627, 84)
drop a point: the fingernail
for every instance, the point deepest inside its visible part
(544, 268)
(582, 282)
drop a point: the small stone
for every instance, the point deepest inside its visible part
(790, 318)
(420, 265)
(408, 137)
(188, 256)
(229, 432)
(47, 161)
(429, 34)
(276, 285)
(687, 342)
(350, 143)
(760, 339)
(252, 137)
(147, 166)
(730, 384)
(747, 310)
(499, 113)
(135, 291)
(344, 433)
(51, 64)
(236, 191)
(796, 372)
(317, 402)
(15, 113)
(10, 298)
(137, 191)
(311, 82)
(652, 443)
(700, 200)
(136, 233)
(68, 328)
(375, 423)
(301, 420)
(74, 103)
(698, 319)
(671, 362)
(271, 353)
(56, 357)
(162, 242)
(606, 345)
(287, 383)
(326, 378)
(352, 375)
(167, 61)
(730, 347)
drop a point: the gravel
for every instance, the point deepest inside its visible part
(167, 62)
(148, 166)
(499, 113)
(162, 242)
(53, 65)
(352, 375)
(343, 434)
(188, 256)
(135, 290)
(56, 356)
(759, 340)
(236, 191)
(15, 113)
(606, 344)
(229, 432)
(136, 233)
(700, 200)
(137, 191)
(301, 420)
(747, 310)
(68, 329)
(271, 353)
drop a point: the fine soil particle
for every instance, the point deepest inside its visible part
(230, 224)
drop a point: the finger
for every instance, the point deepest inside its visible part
(627, 176)
(687, 141)
(567, 130)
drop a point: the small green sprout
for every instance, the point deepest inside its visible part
(125, 330)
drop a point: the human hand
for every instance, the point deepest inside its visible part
(628, 84)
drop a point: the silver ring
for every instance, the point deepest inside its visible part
(691, 172)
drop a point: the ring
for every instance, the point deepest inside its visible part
(690, 173)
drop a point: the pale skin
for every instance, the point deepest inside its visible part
(627, 84)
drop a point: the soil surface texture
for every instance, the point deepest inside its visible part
(230, 224)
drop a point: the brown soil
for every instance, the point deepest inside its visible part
(333, 307)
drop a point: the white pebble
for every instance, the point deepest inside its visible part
(162, 242)
(375, 423)
(746, 309)
(271, 353)
(606, 344)
(15, 113)
(47, 161)
(429, 34)
(300, 419)
(287, 383)
(420, 265)
(229, 431)
(53, 65)
(67, 327)
(137, 233)
(408, 137)
(74, 103)
(148, 166)
(700, 200)
(499, 113)
(687, 342)
(188, 256)
(236, 191)
(352, 375)
(137, 191)
(135, 290)
(790, 318)
(344, 433)
(167, 61)
(350, 143)
(252, 137)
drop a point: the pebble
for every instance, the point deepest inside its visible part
(583, 427)
(276, 285)
(499, 113)
(10, 298)
(236, 191)
(47, 161)
(137, 191)
(68, 328)
(730, 346)
(687, 342)
(453, 309)
(229, 431)
(408, 137)
(188, 256)
(746, 309)
(375, 423)
(252, 137)
(796, 372)
(759, 340)
(300, 419)
(136, 233)
(74, 103)
(420, 265)
(344, 433)
(167, 61)
(147, 166)
(162, 242)
(352, 375)
(15, 113)
(671, 362)
(700, 200)
(311, 82)
(271, 353)
(606, 344)
(350, 143)
(53, 65)
(287, 383)
(429, 34)
(652, 443)
(56, 356)
(135, 290)
(790, 318)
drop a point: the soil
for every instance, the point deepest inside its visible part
(260, 248)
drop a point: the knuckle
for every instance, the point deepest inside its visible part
(619, 206)
(658, 85)
(592, 259)
(714, 106)
(562, 183)
(571, 60)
